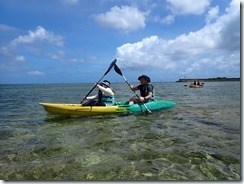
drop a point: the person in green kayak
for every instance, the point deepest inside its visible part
(145, 88)
(105, 96)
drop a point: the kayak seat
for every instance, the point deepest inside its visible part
(93, 103)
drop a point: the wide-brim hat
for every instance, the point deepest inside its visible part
(145, 77)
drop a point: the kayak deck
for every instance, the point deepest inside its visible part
(118, 107)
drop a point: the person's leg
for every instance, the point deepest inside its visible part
(133, 100)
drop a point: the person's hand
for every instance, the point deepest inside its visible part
(131, 87)
(142, 99)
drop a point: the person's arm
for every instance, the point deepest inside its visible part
(134, 88)
(148, 96)
(107, 91)
(91, 97)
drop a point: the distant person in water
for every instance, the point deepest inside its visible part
(146, 90)
(105, 96)
(196, 82)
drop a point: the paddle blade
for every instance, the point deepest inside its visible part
(111, 66)
(117, 70)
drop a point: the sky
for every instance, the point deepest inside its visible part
(75, 41)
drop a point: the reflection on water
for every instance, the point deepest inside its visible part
(198, 139)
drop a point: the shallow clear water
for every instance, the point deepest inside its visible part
(198, 139)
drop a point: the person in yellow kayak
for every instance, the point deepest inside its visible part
(105, 96)
(145, 88)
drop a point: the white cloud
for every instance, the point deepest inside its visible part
(39, 35)
(125, 18)
(33, 39)
(230, 27)
(15, 54)
(182, 7)
(222, 64)
(168, 19)
(65, 58)
(35, 73)
(185, 7)
(189, 52)
(59, 55)
(150, 52)
(4, 27)
(212, 14)
(20, 58)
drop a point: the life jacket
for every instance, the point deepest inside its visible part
(105, 100)
(144, 91)
(153, 96)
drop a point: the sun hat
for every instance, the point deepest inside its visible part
(145, 77)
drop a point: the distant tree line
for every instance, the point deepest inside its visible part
(216, 79)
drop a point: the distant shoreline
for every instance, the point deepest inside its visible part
(217, 79)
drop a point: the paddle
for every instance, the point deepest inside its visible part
(117, 70)
(109, 68)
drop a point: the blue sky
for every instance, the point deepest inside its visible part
(74, 41)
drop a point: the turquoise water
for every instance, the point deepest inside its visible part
(198, 139)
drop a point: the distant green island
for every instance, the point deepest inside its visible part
(217, 79)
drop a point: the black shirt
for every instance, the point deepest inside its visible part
(145, 89)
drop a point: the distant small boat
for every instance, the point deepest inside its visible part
(195, 86)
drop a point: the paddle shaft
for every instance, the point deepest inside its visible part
(111, 65)
(129, 86)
